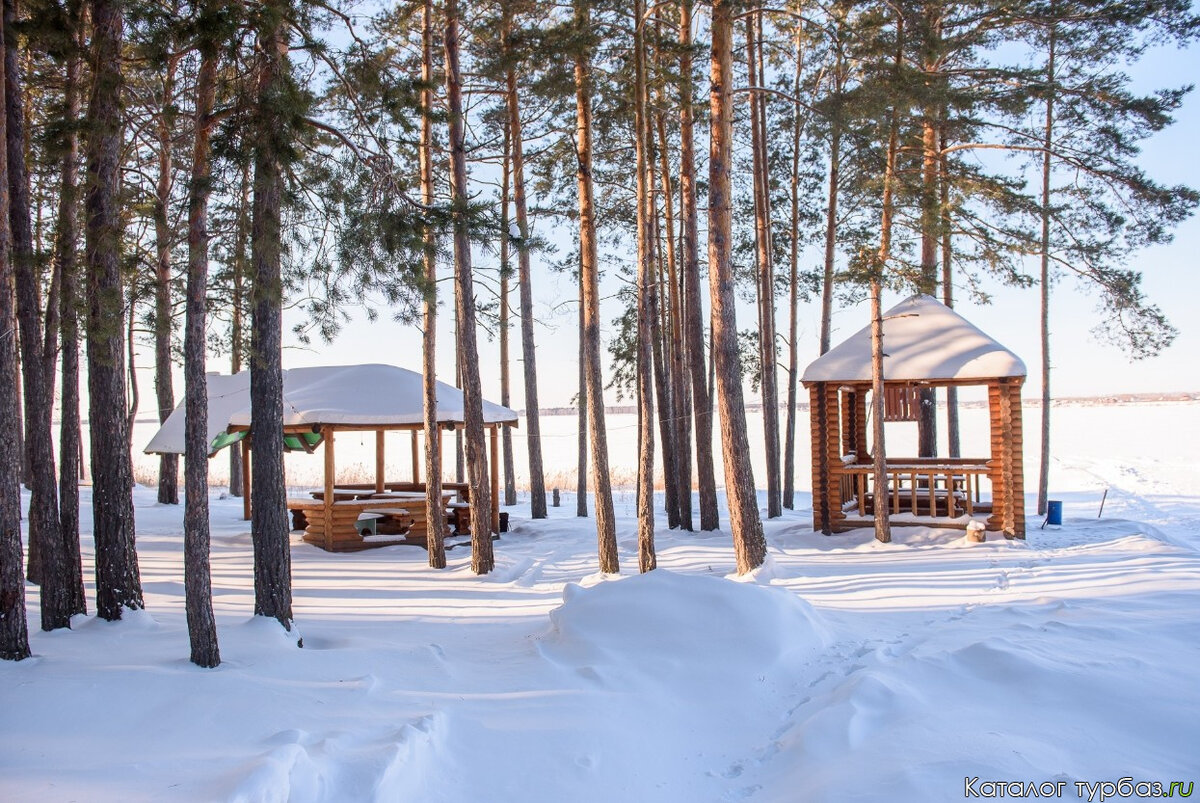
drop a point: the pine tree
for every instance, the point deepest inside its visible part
(645, 309)
(118, 581)
(533, 435)
(482, 560)
(434, 508)
(44, 525)
(202, 629)
(274, 126)
(693, 327)
(1104, 207)
(14, 631)
(590, 285)
(744, 522)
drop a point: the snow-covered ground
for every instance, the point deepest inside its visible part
(842, 670)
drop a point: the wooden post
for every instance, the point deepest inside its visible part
(495, 467)
(380, 468)
(1018, 461)
(860, 425)
(820, 477)
(330, 473)
(416, 459)
(246, 478)
(995, 462)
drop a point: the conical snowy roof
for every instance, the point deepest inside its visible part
(923, 339)
(354, 395)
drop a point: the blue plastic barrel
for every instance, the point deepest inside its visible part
(1054, 513)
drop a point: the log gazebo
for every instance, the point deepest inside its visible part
(926, 345)
(321, 402)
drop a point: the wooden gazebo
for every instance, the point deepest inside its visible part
(321, 402)
(926, 345)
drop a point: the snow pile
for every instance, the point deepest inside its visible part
(671, 626)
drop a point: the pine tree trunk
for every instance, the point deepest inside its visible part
(581, 469)
(118, 581)
(44, 526)
(883, 529)
(952, 434)
(237, 341)
(883, 526)
(831, 213)
(659, 347)
(269, 524)
(766, 277)
(435, 513)
(606, 532)
(789, 443)
(930, 221)
(168, 464)
(66, 268)
(533, 426)
(1044, 280)
(645, 304)
(482, 559)
(131, 374)
(693, 325)
(681, 402)
(744, 522)
(14, 630)
(197, 570)
(510, 480)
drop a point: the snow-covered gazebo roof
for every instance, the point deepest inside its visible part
(923, 340)
(367, 396)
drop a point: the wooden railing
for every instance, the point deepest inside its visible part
(932, 487)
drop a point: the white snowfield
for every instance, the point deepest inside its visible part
(930, 669)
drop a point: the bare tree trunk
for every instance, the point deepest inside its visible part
(1044, 280)
(645, 302)
(693, 326)
(606, 532)
(789, 443)
(435, 513)
(510, 480)
(268, 487)
(44, 526)
(533, 426)
(118, 581)
(66, 268)
(197, 570)
(237, 344)
(168, 464)
(766, 277)
(14, 630)
(749, 545)
(482, 559)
